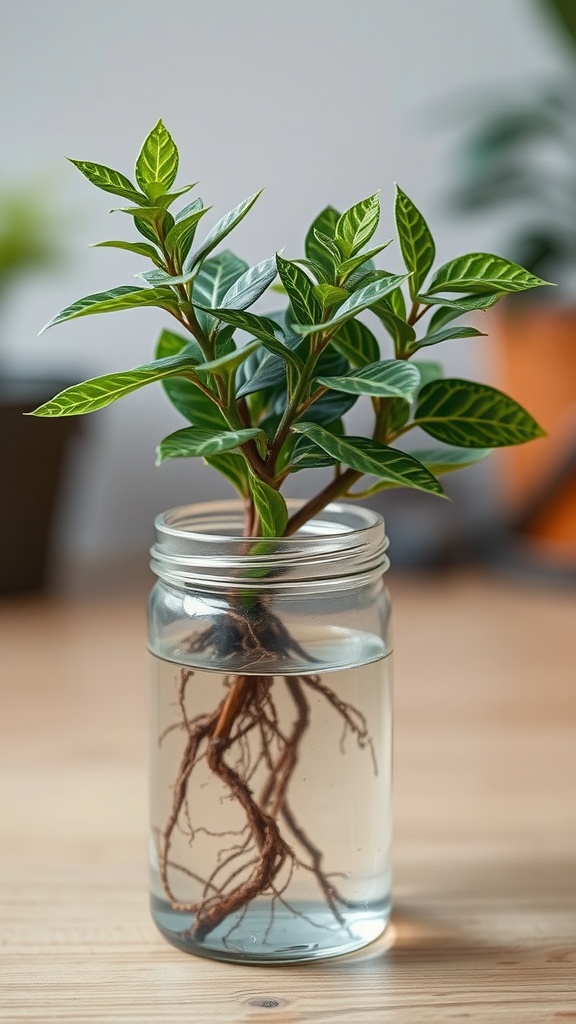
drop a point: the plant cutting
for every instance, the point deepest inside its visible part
(269, 622)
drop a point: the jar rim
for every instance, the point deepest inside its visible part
(233, 511)
(205, 540)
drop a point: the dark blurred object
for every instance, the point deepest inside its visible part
(32, 459)
(32, 452)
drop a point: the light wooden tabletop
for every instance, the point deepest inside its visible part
(485, 854)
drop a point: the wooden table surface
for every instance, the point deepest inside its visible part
(484, 927)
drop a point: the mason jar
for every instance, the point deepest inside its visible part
(271, 733)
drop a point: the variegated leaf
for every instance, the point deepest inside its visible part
(157, 162)
(124, 297)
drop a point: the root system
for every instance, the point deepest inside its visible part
(241, 738)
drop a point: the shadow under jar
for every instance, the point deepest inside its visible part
(271, 735)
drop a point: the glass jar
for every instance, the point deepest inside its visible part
(271, 732)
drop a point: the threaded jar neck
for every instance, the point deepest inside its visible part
(203, 543)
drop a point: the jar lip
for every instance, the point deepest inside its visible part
(205, 541)
(331, 519)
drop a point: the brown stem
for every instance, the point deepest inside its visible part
(233, 705)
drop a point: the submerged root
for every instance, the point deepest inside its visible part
(242, 738)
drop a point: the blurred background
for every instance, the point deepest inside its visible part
(469, 106)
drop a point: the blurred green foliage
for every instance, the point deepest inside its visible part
(519, 156)
(29, 238)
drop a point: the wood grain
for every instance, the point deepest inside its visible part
(485, 856)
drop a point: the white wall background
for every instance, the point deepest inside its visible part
(318, 100)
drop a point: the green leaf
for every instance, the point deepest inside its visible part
(154, 215)
(140, 248)
(171, 344)
(225, 344)
(395, 299)
(234, 468)
(448, 460)
(216, 275)
(270, 506)
(463, 305)
(325, 223)
(359, 300)
(111, 181)
(270, 373)
(482, 272)
(160, 277)
(285, 329)
(330, 408)
(320, 273)
(471, 415)
(250, 285)
(330, 362)
(230, 360)
(416, 242)
(166, 199)
(194, 404)
(224, 226)
(349, 266)
(391, 378)
(356, 343)
(262, 328)
(332, 254)
(443, 315)
(152, 221)
(197, 441)
(186, 211)
(157, 162)
(428, 369)
(124, 297)
(398, 303)
(300, 289)
(180, 237)
(357, 225)
(401, 332)
(446, 334)
(95, 394)
(146, 230)
(308, 455)
(372, 458)
(397, 415)
(398, 409)
(328, 295)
